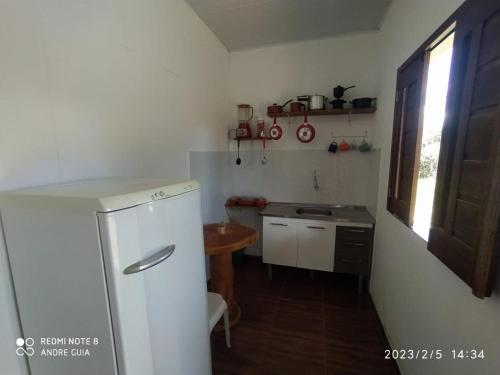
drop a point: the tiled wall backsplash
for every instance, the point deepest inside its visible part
(345, 178)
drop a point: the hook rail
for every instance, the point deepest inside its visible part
(349, 136)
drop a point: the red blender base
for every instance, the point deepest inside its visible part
(244, 130)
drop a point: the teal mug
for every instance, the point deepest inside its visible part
(365, 146)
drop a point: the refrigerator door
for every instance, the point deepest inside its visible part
(155, 265)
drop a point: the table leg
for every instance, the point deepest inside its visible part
(221, 271)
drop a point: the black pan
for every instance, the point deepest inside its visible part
(363, 102)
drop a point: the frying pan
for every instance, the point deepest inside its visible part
(305, 132)
(275, 132)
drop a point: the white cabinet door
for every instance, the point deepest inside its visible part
(316, 246)
(279, 241)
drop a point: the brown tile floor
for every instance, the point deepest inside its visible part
(293, 325)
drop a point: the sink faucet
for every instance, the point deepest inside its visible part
(315, 181)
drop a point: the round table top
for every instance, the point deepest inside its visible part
(234, 238)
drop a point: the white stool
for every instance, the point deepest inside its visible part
(216, 308)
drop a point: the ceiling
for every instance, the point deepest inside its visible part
(243, 24)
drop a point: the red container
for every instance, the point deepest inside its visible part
(297, 107)
(275, 108)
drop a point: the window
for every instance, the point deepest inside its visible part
(438, 63)
(444, 178)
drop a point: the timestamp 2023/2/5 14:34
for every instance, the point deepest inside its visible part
(426, 354)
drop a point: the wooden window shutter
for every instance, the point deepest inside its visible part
(465, 222)
(405, 154)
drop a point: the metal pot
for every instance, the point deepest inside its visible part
(314, 102)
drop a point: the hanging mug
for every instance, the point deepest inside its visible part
(354, 145)
(365, 146)
(333, 147)
(344, 146)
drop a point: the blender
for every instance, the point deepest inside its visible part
(245, 114)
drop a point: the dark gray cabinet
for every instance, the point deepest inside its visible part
(353, 251)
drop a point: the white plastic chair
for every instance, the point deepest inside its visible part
(217, 307)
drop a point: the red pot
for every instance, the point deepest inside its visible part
(275, 108)
(297, 107)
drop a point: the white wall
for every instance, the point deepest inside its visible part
(421, 302)
(344, 178)
(98, 88)
(266, 75)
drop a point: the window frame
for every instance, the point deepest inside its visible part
(465, 225)
(423, 53)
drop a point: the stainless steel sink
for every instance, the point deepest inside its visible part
(323, 212)
(314, 212)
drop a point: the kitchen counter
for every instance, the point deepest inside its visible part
(323, 212)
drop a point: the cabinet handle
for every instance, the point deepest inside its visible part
(354, 230)
(313, 227)
(280, 224)
(350, 261)
(357, 244)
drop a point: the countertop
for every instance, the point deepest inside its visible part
(340, 213)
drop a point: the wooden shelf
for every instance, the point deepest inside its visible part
(252, 139)
(325, 112)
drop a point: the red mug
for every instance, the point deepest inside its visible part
(344, 146)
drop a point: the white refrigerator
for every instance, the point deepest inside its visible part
(109, 277)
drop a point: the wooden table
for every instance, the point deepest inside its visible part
(220, 246)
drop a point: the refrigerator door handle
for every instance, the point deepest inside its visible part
(150, 261)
